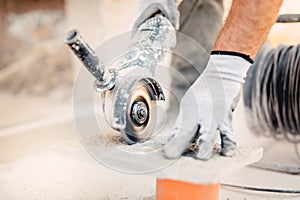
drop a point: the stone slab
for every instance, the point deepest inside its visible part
(149, 159)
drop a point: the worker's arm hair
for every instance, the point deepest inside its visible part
(247, 26)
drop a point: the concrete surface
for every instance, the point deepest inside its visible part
(48, 162)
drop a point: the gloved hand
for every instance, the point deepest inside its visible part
(206, 108)
(147, 8)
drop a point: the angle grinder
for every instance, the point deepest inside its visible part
(128, 90)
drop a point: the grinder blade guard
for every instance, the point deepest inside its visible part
(128, 89)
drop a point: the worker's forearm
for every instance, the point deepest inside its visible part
(247, 26)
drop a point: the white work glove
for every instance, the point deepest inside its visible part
(147, 8)
(206, 108)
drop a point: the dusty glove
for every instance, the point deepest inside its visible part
(147, 8)
(206, 108)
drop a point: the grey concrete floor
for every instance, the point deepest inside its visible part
(45, 159)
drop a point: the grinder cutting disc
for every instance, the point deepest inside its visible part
(140, 113)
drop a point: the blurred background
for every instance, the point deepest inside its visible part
(40, 153)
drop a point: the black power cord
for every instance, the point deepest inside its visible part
(257, 189)
(288, 18)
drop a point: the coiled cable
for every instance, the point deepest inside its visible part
(272, 94)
